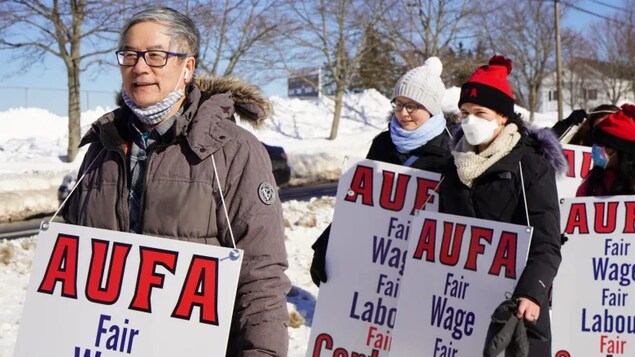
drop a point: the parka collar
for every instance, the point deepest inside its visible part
(209, 102)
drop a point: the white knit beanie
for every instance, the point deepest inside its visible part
(423, 85)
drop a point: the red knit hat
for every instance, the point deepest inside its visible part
(617, 131)
(488, 87)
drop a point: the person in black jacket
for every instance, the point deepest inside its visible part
(417, 136)
(497, 163)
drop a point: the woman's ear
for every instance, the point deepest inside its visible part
(502, 119)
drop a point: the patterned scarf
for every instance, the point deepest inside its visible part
(153, 114)
(470, 165)
(406, 140)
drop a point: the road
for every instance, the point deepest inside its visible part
(305, 193)
(31, 227)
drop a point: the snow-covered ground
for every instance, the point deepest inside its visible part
(33, 147)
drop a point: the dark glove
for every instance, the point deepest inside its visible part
(576, 117)
(563, 238)
(506, 332)
(318, 271)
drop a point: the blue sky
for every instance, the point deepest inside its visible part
(46, 83)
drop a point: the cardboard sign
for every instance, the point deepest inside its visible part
(374, 207)
(580, 163)
(95, 292)
(594, 291)
(458, 270)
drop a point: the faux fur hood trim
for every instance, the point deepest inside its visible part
(543, 140)
(250, 103)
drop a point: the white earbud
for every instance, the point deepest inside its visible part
(186, 73)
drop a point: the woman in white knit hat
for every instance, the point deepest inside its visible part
(416, 136)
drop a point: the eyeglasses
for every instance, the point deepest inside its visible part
(410, 107)
(153, 58)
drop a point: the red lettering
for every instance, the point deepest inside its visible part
(62, 267)
(200, 289)
(322, 339)
(629, 224)
(476, 248)
(426, 240)
(577, 219)
(470, 92)
(110, 293)
(587, 164)
(505, 256)
(147, 278)
(325, 341)
(570, 156)
(389, 200)
(600, 225)
(362, 185)
(423, 193)
(451, 247)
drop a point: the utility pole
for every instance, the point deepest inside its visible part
(558, 61)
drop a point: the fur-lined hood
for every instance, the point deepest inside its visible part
(543, 140)
(250, 104)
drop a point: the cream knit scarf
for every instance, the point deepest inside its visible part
(470, 165)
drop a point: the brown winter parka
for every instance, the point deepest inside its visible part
(181, 199)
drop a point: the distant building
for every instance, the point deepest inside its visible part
(587, 84)
(305, 83)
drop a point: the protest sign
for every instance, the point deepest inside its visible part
(580, 163)
(357, 306)
(594, 290)
(95, 292)
(458, 270)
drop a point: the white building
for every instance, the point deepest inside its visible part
(586, 84)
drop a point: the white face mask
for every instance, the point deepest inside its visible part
(478, 130)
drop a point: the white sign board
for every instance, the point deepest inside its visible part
(594, 291)
(458, 270)
(580, 163)
(95, 292)
(374, 207)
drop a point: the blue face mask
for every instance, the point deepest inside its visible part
(599, 156)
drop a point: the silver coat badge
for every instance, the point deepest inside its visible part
(267, 193)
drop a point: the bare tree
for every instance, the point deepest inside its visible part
(234, 32)
(330, 33)
(614, 40)
(523, 31)
(420, 29)
(577, 69)
(79, 32)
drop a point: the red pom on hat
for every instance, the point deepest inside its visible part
(629, 110)
(501, 61)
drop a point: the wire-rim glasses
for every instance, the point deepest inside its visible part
(153, 58)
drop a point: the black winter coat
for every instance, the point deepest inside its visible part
(432, 157)
(497, 195)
